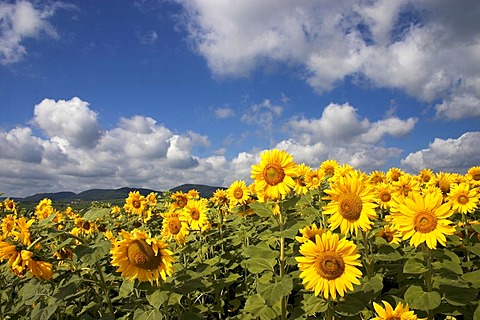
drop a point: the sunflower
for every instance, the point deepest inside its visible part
(44, 209)
(443, 180)
(328, 265)
(473, 175)
(21, 261)
(351, 204)
(152, 199)
(390, 234)
(21, 232)
(463, 198)
(384, 195)
(329, 167)
(139, 256)
(10, 205)
(314, 178)
(135, 203)
(342, 171)
(274, 175)
(175, 226)
(180, 199)
(8, 224)
(393, 174)
(196, 211)
(238, 193)
(40, 269)
(377, 177)
(309, 233)
(422, 218)
(219, 197)
(300, 183)
(401, 312)
(193, 194)
(425, 175)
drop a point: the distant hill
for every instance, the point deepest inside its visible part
(112, 194)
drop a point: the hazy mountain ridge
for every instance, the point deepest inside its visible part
(109, 194)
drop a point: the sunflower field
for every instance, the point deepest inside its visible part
(329, 242)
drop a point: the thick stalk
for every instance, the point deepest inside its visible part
(281, 225)
(329, 312)
(367, 256)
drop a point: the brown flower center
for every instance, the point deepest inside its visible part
(238, 193)
(329, 171)
(476, 176)
(425, 222)
(329, 265)
(395, 176)
(195, 214)
(174, 225)
(136, 203)
(86, 225)
(350, 206)
(181, 202)
(444, 186)
(141, 255)
(462, 199)
(273, 174)
(385, 196)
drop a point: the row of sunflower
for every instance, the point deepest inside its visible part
(299, 242)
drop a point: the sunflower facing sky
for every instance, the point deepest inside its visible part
(274, 175)
(423, 218)
(352, 204)
(329, 265)
(138, 256)
(400, 312)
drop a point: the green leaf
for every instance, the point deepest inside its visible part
(419, 299)
(473, 277)
(414, 266)
(387, 253)
(261, 209)
(96, 213)
(274, 292)
(147, 315)
(256, 305)
(375, 284)
(448, 265)
(350, 306)
(44, 312)
(126, 289)
(314, 304)
(475, 249)
(261, 250)
(257, 265)
(458, 296)
(90, 254)
(157, 298)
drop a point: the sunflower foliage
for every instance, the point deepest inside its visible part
(299, 242)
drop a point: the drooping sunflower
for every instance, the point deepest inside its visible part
(139, 256)
(423, 218)
(135, 203)
(329, 265)
(196, 211)
(401, 312)
(352, 204)
(175, 226)
(309, 233)
(463, 198)
(8, 224)
(238, 193)
(21, 261)
(273, 176)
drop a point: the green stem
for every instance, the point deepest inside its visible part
(329, 313)
(428, 273)
(367, 257)
(105, 289)
(282, 262)
(467, 240)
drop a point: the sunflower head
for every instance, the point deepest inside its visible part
(400, 312)
(238, 193)
(135, 203)
(473, 175)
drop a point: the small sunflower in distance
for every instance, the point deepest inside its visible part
(135, 203)
(175, 226)
(196, 211)
(274, 175)
(138, 256)
(329, 265)
(401, 312)
(238, 193)
(423, 218)
(352, 204)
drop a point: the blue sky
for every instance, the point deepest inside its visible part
(152, 93)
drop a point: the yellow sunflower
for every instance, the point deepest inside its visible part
(425, 175)
(309, 233)
(135, 203)
(238, 193)
(196, 211)
(21, 232)
(300, 184)
(377, 177)
(401, 312)
(463, 198)
(405, 184)
(352, 204)
(329, 167)
(44, 209)
(384, 195)
(443, 180)
(10, 205)
(314, 179)
(139, 256)
(473, 176)
(21, 261)
(390, 234)
(328, 265)
(423, 218)
(393, 174)
(219, 197)
(274, 175)
(175, 226)
(8, 224)
(152, 198)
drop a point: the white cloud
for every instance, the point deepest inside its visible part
(21, 20)
(71, 120)
(262, 115)
(149, 37)
(411, 46)
(223, 113)
(451, 155)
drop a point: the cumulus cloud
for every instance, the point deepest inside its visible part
(403, 44)
(451, 155)
(223, 113)
(71, 120)
(21, 20)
